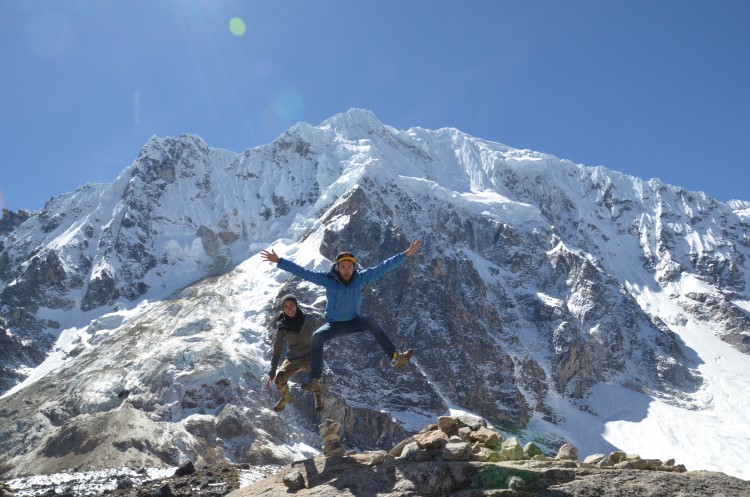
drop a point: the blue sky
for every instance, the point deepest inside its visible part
(650, 88)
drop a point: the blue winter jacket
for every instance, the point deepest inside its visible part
(343, 300)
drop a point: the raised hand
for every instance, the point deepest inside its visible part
(270, 256)
(413, 248)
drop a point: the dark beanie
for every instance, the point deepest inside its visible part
(288, 297)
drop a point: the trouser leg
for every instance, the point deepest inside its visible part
(373, 327)
(287, 370)
(328, 331)
(331, 331)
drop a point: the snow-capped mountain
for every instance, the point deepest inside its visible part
(563, 303)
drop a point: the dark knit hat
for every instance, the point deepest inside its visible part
(288, 297)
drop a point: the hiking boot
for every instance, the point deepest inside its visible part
(283, 401)
(400, 359)
(318, 401)
(316, 387)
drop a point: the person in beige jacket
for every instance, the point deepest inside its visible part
(294, 331)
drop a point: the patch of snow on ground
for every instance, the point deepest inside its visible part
(85, 482)
(256, 474)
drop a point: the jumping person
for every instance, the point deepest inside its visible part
(294, 330)
(343, 284)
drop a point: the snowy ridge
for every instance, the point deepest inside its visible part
(594, 307)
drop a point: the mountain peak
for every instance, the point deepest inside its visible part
(564, 291)
(354, 120)
(156, 143)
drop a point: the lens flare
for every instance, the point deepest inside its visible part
(137, 108)
(289, 105)
(237, 26)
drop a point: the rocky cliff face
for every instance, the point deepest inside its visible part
(153, 309)
(180, 212)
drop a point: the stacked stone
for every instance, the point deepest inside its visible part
(567, 456)
(462, 438)
(329, 432)
(467, 438)
(621, 460)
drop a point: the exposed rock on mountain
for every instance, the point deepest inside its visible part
(10, 220)
(544, 290)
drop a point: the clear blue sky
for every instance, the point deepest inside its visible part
(652, 88)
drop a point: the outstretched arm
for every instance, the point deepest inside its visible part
(317, 277)
(413, 248)
(270, 256)
(376, 272)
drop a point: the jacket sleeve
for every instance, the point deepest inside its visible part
(311, 324)
(314, 322)
(376, 272)
(317, 277)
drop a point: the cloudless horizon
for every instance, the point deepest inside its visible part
(651, 89)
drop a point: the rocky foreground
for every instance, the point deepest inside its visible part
(461, 457)
(457, 457)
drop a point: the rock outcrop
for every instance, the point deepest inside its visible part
(462, 457)
(10, 220)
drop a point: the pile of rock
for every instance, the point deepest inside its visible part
(329, 432)
(467, 438)
(461, 457)
(615, 460)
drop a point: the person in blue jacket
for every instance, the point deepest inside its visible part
(343, 284)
